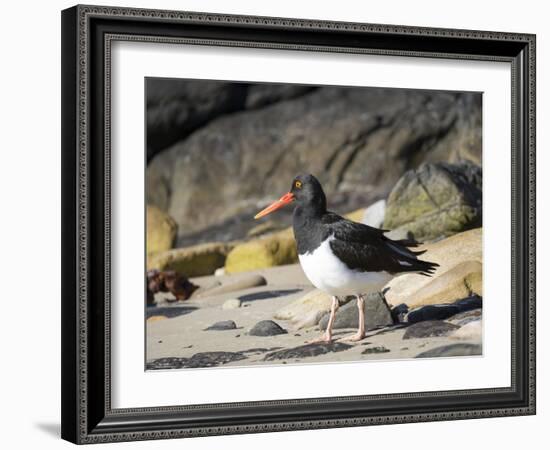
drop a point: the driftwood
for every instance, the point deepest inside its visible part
(168, 281)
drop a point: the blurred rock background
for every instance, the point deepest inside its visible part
(217, 152)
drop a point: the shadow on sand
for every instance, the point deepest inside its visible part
(169, 311)
(265, 295)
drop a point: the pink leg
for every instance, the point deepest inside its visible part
(327, 337)
(361, 330)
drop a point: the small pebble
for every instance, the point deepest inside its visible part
(232, 303)
(223, 325)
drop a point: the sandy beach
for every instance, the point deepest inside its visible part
(177, 332)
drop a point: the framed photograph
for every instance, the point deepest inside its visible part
(280, 224)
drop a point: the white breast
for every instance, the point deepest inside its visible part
(328, 273)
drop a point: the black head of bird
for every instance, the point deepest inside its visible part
(306, 192)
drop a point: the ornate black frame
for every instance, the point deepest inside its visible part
(87, 32)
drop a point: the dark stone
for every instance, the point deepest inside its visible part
(377, 314)
(399, 312)
(429, 328)
(266, 328)
(223, 325)
(372, 350)
(333, 132)
(198, 360)
(452, 350)
(432, 312)
(307, 350)
(444, 311)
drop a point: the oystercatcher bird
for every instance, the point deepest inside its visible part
(342, 257)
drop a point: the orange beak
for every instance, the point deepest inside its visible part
(284, 200)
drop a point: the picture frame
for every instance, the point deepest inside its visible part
(87, 35)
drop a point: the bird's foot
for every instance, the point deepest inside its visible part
(325, 339)
(354, 337)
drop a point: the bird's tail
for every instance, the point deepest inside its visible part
(403, 246)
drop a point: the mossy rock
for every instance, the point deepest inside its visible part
(436, 200)
(195, 261)
(273, 250)
(161, 230)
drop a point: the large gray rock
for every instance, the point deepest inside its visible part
(264, 94)
(177, 107)
(377, 314)
(359, 141)
(436, 200)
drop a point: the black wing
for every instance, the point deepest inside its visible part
(367, 249)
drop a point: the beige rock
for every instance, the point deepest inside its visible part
(195, 261)
(463, 280)
(307, 310)
(204, 287)
(161, 230)
(472, 331)
(448, 253)
(246, 282)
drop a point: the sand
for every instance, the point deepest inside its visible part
(184, 336)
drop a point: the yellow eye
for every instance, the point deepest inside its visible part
(298, 184)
